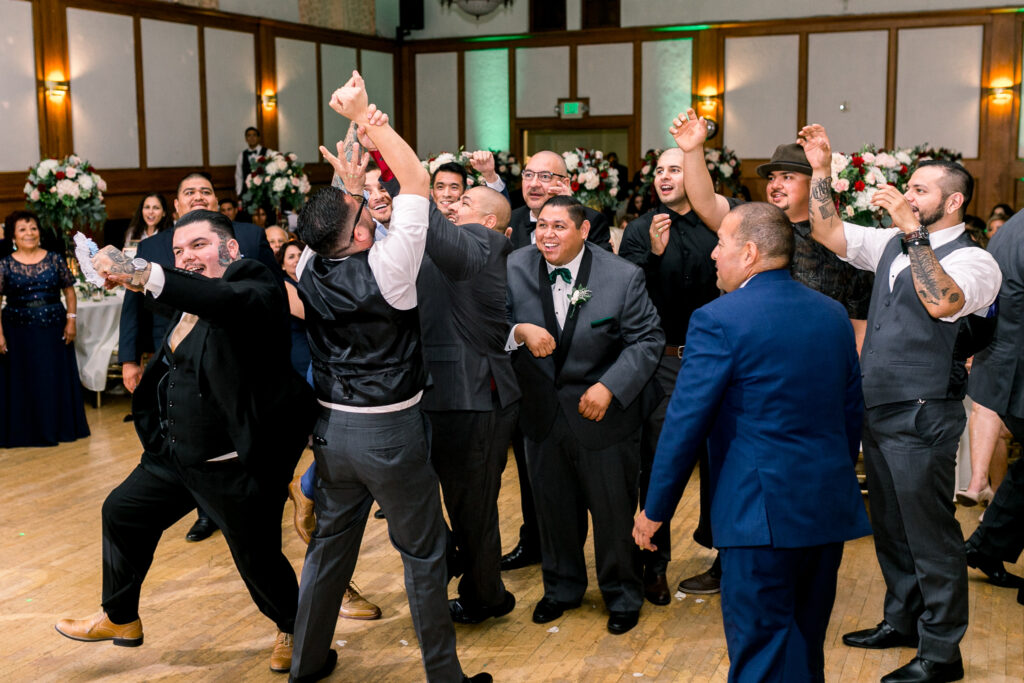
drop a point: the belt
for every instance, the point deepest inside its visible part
(676, 351)
(37, 303)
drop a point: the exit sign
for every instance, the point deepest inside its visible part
(572, 109)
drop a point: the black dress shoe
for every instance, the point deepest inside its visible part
(919, 670)
(482, 677)
(993, 569)
(520, 556)
(656, 589)
(201, 530)
(549, 610)
(323, 672)
(879, 638)
(378, 514)
(620, 622)
(464, 613)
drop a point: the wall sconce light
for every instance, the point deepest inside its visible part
(706, 104)
(56, 90)
(269, 99)
(1001, 95)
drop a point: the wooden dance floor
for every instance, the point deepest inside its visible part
(201, 625)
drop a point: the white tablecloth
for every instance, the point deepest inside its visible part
(98, 325)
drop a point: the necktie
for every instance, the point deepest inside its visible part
(181, 330)
(560, 272)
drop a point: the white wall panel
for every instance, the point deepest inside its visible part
(336, 66)
(760, 94)
(573, 15)
(604, 73)
(230, 92)
(19, 134)
(487, 105)
(938, 83)
(848, 68)
(104, 111)
(170, 66)
(379, 74)
(667, 85)
(669, 12)
(437, 101)
(297, 118)
(542, 77)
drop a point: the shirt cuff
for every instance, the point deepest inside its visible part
(498, 185)
(155, 283)
(511, 344)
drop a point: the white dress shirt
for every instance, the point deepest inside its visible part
(973, 270)
(560, 293)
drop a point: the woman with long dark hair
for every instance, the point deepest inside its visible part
(151, 216)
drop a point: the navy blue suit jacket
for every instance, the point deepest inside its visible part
(770, 378)
(144, 321)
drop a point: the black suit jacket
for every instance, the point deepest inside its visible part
(522, 226)
(144, 321)
(267, 410)
(461, 292)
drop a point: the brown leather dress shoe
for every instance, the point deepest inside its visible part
(281, 657)
(703, 584)
(355, 606)
(100, 627)
(305, 519)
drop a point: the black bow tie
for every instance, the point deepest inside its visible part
(560, 272)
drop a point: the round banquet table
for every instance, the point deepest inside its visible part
(98, 324)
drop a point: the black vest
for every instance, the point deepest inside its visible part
(246, 165)
(195, 430)
(907, 353)
(365, 352)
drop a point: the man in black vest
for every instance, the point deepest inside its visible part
(929, 276)
(247, 157)
(368, 373)
(222, 421)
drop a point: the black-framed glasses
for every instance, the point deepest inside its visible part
(543, 176)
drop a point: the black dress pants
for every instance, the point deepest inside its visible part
(247, 510)
(1001, 534)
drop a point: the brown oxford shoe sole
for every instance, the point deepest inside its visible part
(99, 628)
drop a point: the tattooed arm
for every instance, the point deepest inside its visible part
(826, 226)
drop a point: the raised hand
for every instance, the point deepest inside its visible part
(689, 131)
(659, 233)
(350, 100)
(352, 173)
(817, 147)
(483, 162)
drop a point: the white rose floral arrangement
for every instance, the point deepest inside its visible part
(276, 179)
(67, 195)
(591, 178)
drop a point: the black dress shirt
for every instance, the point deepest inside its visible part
(683, 278)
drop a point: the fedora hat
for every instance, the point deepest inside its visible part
(789, 157)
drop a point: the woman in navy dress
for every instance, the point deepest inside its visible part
(40, 394)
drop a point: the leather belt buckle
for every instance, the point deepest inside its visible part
(676, 351)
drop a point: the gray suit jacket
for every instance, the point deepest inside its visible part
(997, 374)
(615, 338)
(461, 291)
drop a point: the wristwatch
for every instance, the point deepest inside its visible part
(140, 265)
(921, 233)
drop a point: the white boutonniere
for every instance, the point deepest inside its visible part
(577, 297)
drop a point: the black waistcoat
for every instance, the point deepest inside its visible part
(365, 352)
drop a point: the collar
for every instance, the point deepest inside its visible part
(946, 235)
(802, 228)
(573, 266)
(767, 276)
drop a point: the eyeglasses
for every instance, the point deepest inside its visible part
(543, 176)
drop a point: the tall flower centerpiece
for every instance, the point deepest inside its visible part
(276, 179)
(592, 179)
(724, 167)
(67, 195)
(507, 166)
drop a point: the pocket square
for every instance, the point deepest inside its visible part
(603, 321)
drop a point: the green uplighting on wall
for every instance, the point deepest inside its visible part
(496, 39)
(674, 29)
(487, 117)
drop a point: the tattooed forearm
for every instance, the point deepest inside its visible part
(934, 286)
(821, 197)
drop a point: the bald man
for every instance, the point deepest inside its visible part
(276, 236)
(544, 177)
(473, 402)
